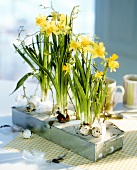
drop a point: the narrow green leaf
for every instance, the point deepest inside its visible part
(33, 45)
(81, 70)
(21, 81)
(43, 68)
(88, 73)
(54, 41)
(79, 87)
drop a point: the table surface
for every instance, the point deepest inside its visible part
(13, 159)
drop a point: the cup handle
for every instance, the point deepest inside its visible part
(120, 95)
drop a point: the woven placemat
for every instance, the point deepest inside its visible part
(124, 159)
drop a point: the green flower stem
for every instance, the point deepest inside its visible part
(100, 95)
(77, 109)
(86, 113)
(89, 111)
(44, 87)
(45, 61)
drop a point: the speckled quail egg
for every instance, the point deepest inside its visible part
(26, 134)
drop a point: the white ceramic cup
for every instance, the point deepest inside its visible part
(111, 100)
(130, 86)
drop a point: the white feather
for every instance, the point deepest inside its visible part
(34, 156)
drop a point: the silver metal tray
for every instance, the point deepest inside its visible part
(66, 134)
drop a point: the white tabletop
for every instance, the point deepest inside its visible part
(10, 160)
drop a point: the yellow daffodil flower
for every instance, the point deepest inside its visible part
(40, 20)
(60, 25)
(56, 31)
(112, 63)
(98, 50)
(85, 41)
(54, 16)
(99, 74)
(62, 17)
(74, 45)
(66, 68)
(113, 57)
(51, 27)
